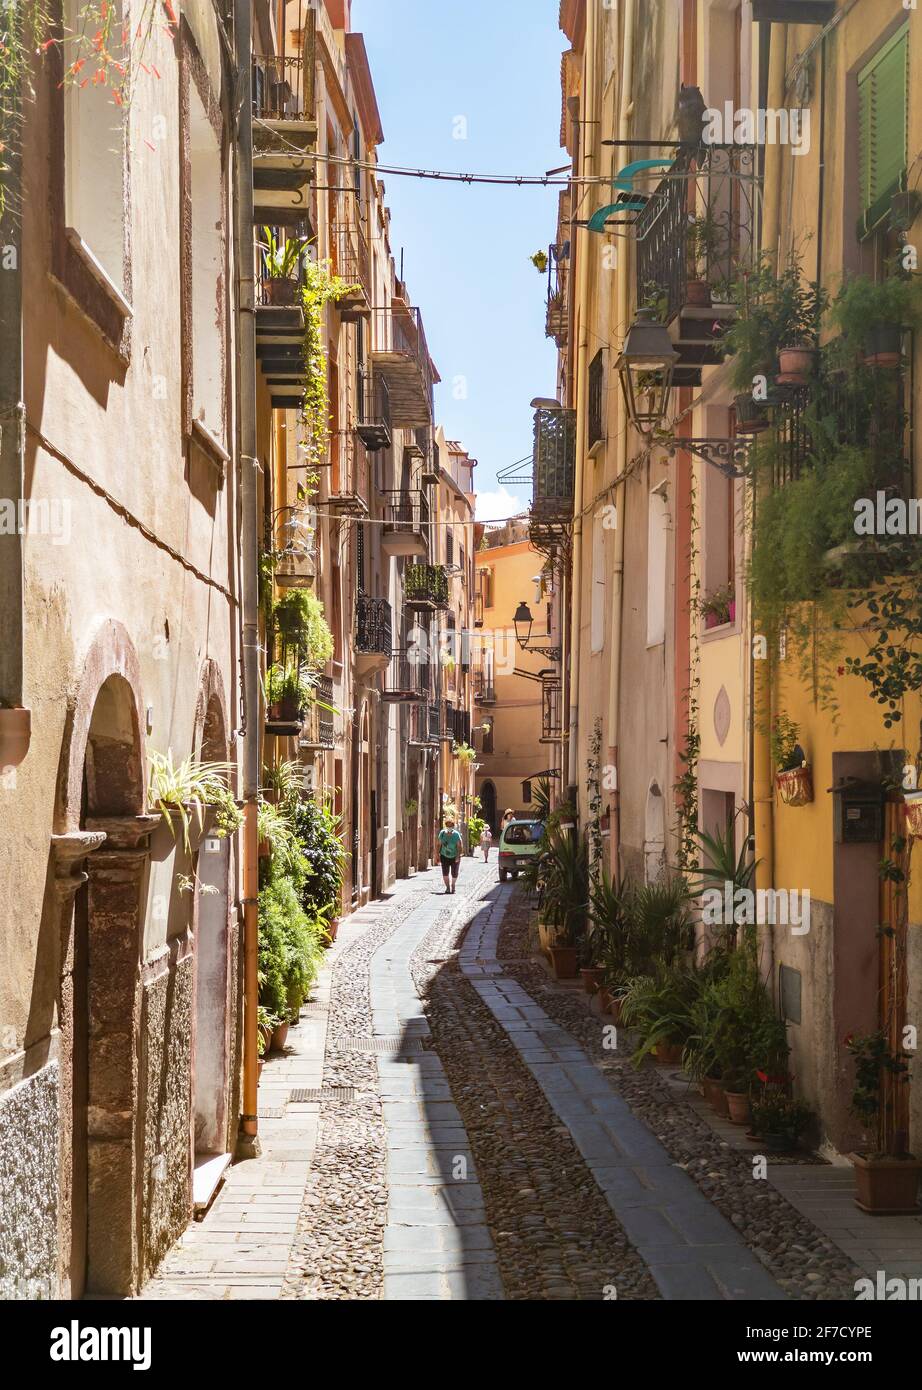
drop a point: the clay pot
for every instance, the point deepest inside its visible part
(796, 365)
(592, 978)
(282, 292)
(715, 1095)
(605, 1000)
(738, 1106)
(887, 1186)
(279, 1038)
(565, 960)
(750, 415)
(883, 345)
(15, 734)
(547, 935)
(668, 1054)
(332, 929)
(697, 294)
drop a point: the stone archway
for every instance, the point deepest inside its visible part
(101, 812)
(215, 942)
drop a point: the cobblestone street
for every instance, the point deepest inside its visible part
(448, 1123)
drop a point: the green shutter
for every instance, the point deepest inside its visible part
(883, 102)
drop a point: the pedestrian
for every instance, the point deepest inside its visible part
(486, 843)
(450, 847)
(509, 816)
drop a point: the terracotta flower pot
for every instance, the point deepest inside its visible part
(697, 294)
(604, 1000)
(279, 1038)
(281, 292)
(887, 1186)
(547, 935)
(565, 960)
(738, 1107)
(332, 929)
(668, 1054)
(715, 1095)
(750, 415)
(592, 978)
(796, 365)
(15, 734)
(883, 345)
(795, 786)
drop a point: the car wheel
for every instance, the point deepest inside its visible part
(503, 875)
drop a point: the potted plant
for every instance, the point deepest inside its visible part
(565, 900)
(282, 261)
(659, 1006)
(608, 939)
(194, 796)
(287, 693)
(793, 777)
(705, 238)
(775, 329)
(719, 608)
(887, 1177)
(873, 315)
(778, 1120)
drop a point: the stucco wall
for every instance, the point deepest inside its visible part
(29, 1187)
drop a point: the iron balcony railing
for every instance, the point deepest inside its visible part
(424, 732)
(399, 341)
(374, 410)
(425, 586)
(351, 260)
(700, 223)
(553, 460)
(407, 679)
(278, 89)
(373, 626)
(405, 511)
(435, 723)
(551, 712)
(319, 729)
(558, 276)
(484, 689)
(458, 724)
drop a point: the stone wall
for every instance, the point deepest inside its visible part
(29, 1187)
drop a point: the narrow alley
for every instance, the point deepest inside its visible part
(448, 1122)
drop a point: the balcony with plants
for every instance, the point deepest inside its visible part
(694, 236)
(300, 646)
(352, 263)
(425, 588)
(318, 732)
(553, 472)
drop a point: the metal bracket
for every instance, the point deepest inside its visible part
(723, 454)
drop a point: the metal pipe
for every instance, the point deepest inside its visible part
(249, 504)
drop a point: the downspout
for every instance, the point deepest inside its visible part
(15, 722)
(623, 300)
(763, 791)
(248, 1143)
(587, 145)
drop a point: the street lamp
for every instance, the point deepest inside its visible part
(524, 622)
(646, 368)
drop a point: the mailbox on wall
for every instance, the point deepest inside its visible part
(858, 816)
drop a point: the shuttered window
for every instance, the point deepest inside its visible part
(883, 103)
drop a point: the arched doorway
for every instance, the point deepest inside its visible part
(488, 805)
(211, 1042)
(101, 998)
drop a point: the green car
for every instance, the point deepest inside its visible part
(518, 844)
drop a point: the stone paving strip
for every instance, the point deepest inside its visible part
(555, 1235)
(691, 1250)
(793, 1246)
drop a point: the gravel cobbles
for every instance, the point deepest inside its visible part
(338, 1250)
(805, 1263)
(554, 1232)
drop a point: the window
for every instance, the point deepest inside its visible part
(596, 398)
(94, 161)
(486, 583)
(599, 586)
(883, 103)
(657, 545)
(207, 269)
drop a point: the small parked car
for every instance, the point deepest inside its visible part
(518, 844)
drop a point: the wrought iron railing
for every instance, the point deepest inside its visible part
(351, 261)
(319, 728)
(551, 712)
(278, 89)
(457, 724)
(399, 330)
(558, 276)
(407, 678)
(700, 222)
(553, 459)
(426, 584)
(405, 510)
(484, 689)
(373, 626)
(374, 409)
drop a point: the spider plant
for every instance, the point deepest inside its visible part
(185, 789)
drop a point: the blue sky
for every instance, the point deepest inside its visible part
(496, 63)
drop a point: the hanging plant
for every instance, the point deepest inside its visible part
(320, 288)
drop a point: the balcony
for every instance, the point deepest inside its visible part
(400, 356)
(406, 521)
(694, 237)
(296, 565)
(458, 724)
(373, 635)
(407, 680)
(374, 411)
(553, 465)
(318, 732)
(425, 588)
(424, 462)
(484, 689)
(280, 336)
(551, 711)
(284, 137)
(350, 482)
(352, 263)
(558, 308)
(424, 730)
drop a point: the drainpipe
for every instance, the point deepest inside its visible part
(584, 246)
(763, 791)
(248, 1142)
(623, 301)
(15, 722)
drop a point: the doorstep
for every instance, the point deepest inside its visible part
(207, 1176)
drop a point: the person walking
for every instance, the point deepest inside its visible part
(509, 816)
(451, 846)
(486, 843)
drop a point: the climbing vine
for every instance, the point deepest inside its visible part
(320, 288)
(594, 792)
(686, 788)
